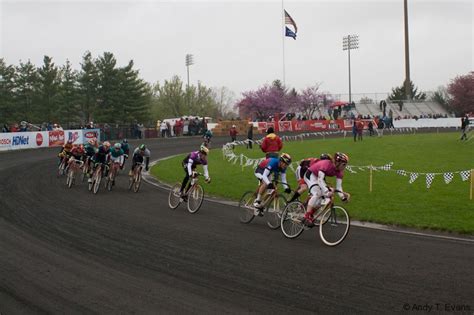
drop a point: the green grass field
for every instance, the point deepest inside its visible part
(393, 200)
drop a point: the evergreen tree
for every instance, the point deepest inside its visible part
(69, 106)
(26, 87)
(109, 103)
(47, 104)
(8, 106)
(398, 93)
(88, 85)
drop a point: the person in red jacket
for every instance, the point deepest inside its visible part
(233, 133)
(271, 144)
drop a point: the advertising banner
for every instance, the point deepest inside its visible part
(88, 134)
(23, 140)
(73, 135)
(56, 138)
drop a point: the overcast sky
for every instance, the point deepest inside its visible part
(238, 44)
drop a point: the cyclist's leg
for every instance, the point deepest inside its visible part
(315, 191)
(185, 180)
(262, 186)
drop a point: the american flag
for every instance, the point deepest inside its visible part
(289, 20)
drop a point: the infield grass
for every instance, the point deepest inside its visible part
(393, 200)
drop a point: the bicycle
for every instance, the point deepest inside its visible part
(136, 178)
(86, 168)
(97, 177)
(74, 166)
(272, 203)
(193, 197)
(110, 182)
(333, 221)
(62, 166)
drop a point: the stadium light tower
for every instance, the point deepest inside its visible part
(350, 42)
(189, 61)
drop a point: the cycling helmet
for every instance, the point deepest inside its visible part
(70, 142)
(285, 158)
(340, 157)
(204, 149)
(106, 144)
(117, 146)
(142, 147)
(324, 156)
(91, 141)
(124, 141)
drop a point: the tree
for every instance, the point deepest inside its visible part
(135, 95)
(169, 99)
(310, 100)
(398, 93)
(461, 90)
(224, 99)
(88, 85)
(69, 105)
(263, 102)
(441, 97)
(49, 82)
(8, 108)
(26, 87)
(109, 106)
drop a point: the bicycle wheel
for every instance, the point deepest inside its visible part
(335, 223)
(131, 181)
(274, 210)
(195, 198)
(85, 170)
(174, 198)
(97, 180)
(61, 168)
(246, 208)
(137, 182)
(291, 218)
(110, 180)
(69, 178)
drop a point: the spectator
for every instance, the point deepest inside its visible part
(354, 131)
(371, 128)
(250, 136)
(400, 105)
(271, 144)
(360, 129)
(5, 128)
(163, 128)
(464, 127)
(233, 133)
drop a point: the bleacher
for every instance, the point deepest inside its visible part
(409, 109)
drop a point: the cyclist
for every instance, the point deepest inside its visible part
(301, 170)
(100, 157)
(116, 155)
(77, 153)
(126, 151)
(65, 151)
(207, 137)
(189, 165)
(315, 180)
(264, 169)
(138, 155)
(90, 148)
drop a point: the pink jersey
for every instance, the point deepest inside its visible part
(327, 167)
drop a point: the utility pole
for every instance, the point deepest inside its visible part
(189, 61)
(350, 42)
(407, 54)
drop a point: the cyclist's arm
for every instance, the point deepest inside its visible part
(147, 161)
(339, 190)
(283, 179)
(206, 171)
(190, 167)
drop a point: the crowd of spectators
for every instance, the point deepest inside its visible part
(26, 126)
(183, 126)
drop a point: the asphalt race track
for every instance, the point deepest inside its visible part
(68, 251)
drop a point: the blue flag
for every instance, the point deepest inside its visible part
(289, 33)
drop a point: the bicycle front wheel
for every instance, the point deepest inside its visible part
(274, 210)
(174, 198)
(291, 219)
(69, 178)
(97, 180)
(137, 182)
(195, 197)
(246, 208)
(334, 226)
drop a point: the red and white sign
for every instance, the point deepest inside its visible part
(39, 139)
(56, 138)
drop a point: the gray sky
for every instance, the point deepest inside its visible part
(238, 44)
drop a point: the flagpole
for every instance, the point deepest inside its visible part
(283, 39)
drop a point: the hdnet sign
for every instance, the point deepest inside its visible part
(23, 140)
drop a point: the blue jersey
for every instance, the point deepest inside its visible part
(272, 164)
